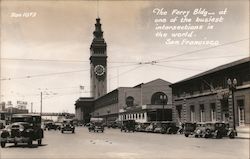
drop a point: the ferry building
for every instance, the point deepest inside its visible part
(151, 101)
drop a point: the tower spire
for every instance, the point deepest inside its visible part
(98, 33)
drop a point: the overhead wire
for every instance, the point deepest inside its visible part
(203, 49)
(177, 67)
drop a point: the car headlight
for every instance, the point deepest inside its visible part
(21, 129)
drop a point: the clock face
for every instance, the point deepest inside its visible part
(99, 70)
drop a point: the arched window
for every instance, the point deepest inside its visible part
(130, 101)
(156, 98)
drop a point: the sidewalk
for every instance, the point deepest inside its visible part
(243, 132)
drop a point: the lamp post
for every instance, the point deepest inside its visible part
(232, 86)
(164, 100)
(108, 111)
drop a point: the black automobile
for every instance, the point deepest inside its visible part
(219, 130)
(128, 125)
(200, 129)
(25, 128)
(68, 125)
(51, 126)
(189, 128)
(170, 127)
(141, 127)
(96, 127)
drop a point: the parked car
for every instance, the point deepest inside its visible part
(200, 129)
(219, 130)
(160, 128)
(128, 125)
(170, 127)
(68, 125)
(25, 128)
(151, 127)
(189, 128)
(141, 127)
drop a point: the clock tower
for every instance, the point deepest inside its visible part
(98, 63)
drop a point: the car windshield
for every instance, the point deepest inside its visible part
(29, 119)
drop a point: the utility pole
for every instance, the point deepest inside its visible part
(41, 103)
(31, 107)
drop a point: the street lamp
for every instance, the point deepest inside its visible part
(108, 111)
(232, 86)
(164, 100)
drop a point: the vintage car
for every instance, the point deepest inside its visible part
(160, 128)
(219, 130)
(128, 125)
(67, 125)
(141, 127)
(200, 130)
(25, 128)
(189, 128)
(151, 127)
(50, 126)
(170, 127)
(96, 125)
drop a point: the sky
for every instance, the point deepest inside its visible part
(48, 50)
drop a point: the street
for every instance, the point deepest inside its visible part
(114, 144)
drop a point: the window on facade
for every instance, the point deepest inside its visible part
(241, 110)
(202, 115)
(192, 113)
(156, 100)
(178, 109)
(130, 101)
(213, 112)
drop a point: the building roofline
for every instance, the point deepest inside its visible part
(216, 69)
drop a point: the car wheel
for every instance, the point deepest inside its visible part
(39, 141)
(206, 136)
(73, 131)
(186, 135)
(231, 135)
(15, 143)
(62, 131)
(102, 131)
(3, 144)
(30, 142)
(169, 131)
(196, 136)
(218, 135)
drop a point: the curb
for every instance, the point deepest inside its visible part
(246, 138)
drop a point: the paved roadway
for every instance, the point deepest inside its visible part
(116, 145)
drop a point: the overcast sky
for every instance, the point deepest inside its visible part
(61, 31)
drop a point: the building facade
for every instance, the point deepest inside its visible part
(208, 97)
(141, 103)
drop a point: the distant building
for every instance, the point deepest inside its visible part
(22, 105)
(2, 106)
(206, 96)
